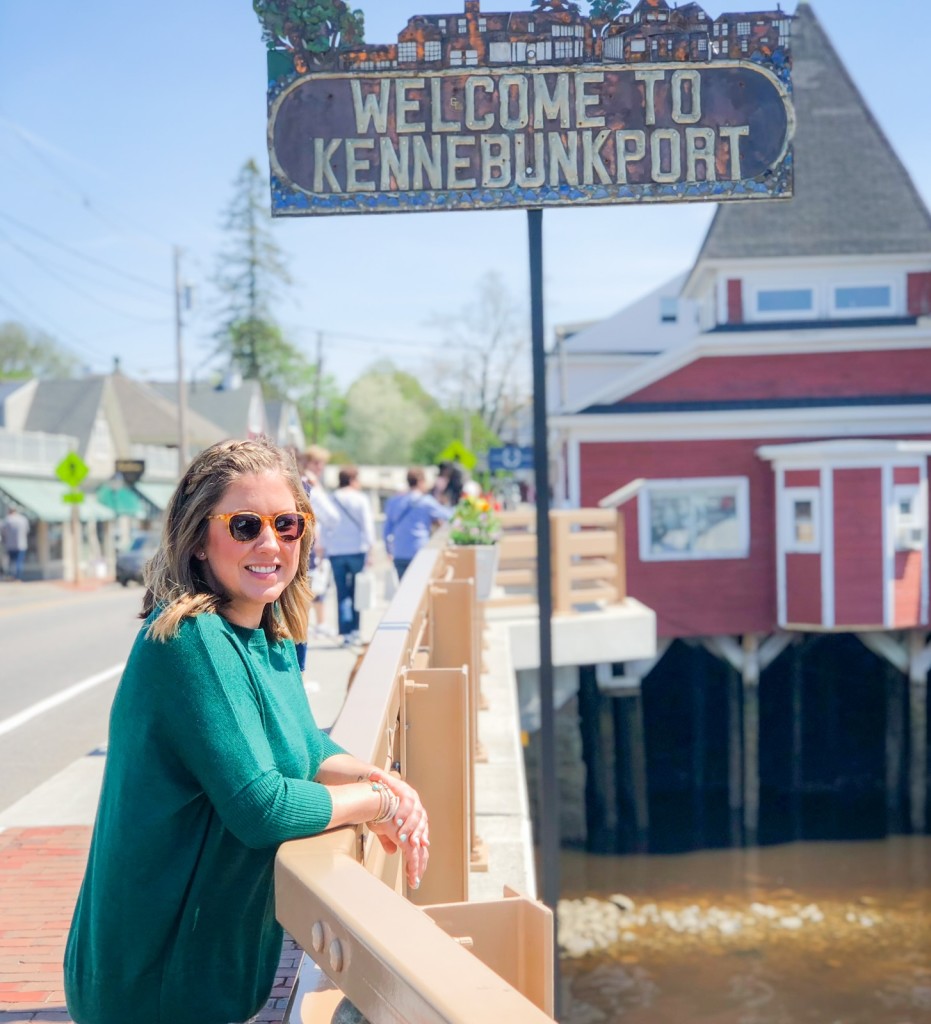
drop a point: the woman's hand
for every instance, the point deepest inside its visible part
(408, 830)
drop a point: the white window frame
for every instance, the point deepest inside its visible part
(790, 541)
(908, 532)
(638, 46)
(741, 489)
(837, 313)
(407, 51)
(785, 314)
(432, 50)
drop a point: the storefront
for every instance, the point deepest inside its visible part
(52, 532)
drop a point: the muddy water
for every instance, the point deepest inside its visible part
(807, 933)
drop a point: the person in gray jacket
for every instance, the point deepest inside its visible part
(15, 530)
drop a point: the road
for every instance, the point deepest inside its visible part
(62, 649)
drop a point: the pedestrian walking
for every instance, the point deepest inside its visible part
(410, 519)
(349, 547)
(214, 759)
(447, 487)
(15, 530)
(313, 462)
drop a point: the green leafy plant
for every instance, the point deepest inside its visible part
(313, 30)
(474, 522)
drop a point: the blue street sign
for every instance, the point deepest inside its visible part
(510, 457)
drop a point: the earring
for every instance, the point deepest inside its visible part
(200, 554)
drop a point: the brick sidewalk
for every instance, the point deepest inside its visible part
(40, 874)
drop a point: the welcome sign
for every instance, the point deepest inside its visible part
(526, 123)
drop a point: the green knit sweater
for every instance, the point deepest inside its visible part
(212, 748)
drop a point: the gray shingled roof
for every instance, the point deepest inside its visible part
(66, 407)
(852, 193)
(136, 414)
(227, 407)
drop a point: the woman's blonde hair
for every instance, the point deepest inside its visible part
(175, 579)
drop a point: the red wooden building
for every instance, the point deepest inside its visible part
(771, 419)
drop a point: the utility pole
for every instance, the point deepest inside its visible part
(318, 375)
(182, 386)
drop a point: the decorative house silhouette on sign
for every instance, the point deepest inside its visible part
(546, 107)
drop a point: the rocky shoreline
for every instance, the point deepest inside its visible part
(591, 925)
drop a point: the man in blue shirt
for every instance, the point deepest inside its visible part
(409, 520)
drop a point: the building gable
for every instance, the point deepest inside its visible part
(836, 209)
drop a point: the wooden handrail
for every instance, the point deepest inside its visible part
(413, 705)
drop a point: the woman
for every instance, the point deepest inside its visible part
(214, 759)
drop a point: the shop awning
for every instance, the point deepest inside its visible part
(42, 499)
(156, 494)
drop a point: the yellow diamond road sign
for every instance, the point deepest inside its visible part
(72, 469)
(456, 451)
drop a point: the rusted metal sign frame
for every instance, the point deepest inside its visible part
(359, 142)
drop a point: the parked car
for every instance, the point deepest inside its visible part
(131, 562)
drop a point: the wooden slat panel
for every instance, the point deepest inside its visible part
(600, 570)
(591, 543)
(593, 594)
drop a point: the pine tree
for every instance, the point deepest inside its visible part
(250, 273)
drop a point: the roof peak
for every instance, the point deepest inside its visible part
(836, 131)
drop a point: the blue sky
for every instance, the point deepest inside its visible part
(123, 125)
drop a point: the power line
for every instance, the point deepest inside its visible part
(90, 275)
(30, 142)
(77, 346)
(368, 339)
(161, 289)
(79, 291)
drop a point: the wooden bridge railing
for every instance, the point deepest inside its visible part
(587, 555)
(426, 955)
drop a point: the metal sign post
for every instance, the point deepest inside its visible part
(549, 782)
(524, 110)
(71, 471)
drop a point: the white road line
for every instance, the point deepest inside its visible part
(39, 708)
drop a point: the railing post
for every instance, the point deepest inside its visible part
(620, 556)
(436, 746)
(454, 643)
(562, 581)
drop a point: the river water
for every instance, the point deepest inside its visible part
(803, 933)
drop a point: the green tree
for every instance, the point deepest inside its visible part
(323, 411)
(315, 30)
(382, 421)
(250, 274)
(607, 10)
(26, 353)
(446, 426)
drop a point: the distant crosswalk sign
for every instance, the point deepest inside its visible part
(456, 451)
(72, 469)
